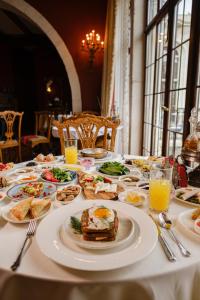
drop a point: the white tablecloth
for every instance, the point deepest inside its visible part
(152, 278)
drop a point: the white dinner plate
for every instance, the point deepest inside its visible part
(73, 256)
(127, 229)
(186, 223)
(185, 201)
(6, 215)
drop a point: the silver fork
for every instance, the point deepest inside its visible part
(30, 232)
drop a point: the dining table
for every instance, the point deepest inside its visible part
(152, 277)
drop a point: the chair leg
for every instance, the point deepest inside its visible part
(1, 156)
(20, 153)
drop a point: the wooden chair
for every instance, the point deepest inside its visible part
(11, 140)
(86, 112)
(87, 129)
(43, 121)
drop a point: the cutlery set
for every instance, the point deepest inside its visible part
(161, 222)
(164, 222)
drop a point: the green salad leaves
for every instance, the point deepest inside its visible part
(114, 168)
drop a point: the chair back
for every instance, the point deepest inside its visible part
(87, 128)
(9, 118)
(86, 112)
(43, 120)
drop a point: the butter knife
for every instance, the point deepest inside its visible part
(168, 252)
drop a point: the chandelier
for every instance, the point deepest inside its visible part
(92, 44)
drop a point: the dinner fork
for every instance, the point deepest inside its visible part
(30, 232)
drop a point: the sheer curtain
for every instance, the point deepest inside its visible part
(116, 84)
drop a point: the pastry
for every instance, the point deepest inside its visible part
(39, 207)
(21, 210)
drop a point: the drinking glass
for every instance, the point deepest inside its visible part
(71, 151)
(160, 189)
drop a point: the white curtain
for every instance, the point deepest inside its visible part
(115, 87)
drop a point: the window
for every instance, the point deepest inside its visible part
(170, 74)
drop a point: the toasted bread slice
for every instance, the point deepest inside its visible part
(96, 234)
(39, 207)
(21, 210)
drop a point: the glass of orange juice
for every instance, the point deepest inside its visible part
(160, 189)
(71, 151)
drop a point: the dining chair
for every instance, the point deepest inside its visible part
(86, 112)
(11, 138)
(87, 129)
(43, 121)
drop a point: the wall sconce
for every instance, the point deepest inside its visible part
(92, 44)
(49, 86)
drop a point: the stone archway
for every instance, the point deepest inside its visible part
(35, 16)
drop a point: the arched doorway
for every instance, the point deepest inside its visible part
(30, 12)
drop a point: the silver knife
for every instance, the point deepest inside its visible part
(168, 252)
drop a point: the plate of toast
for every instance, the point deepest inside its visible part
(99, 227)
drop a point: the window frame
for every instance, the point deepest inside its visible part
(192, 72)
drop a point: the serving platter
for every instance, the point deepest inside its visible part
(110, 175)
(48, 190)
(97, 153)
(71, 255)
(185, 201)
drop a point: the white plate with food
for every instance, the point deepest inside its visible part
(36, 189)
(188, 195)
(58, 176)
(26, 210)
(23, 171)
(113, 169)
(131, 180)
(46, 159)
(187, 221)
(66, 195)
(6, 168)
(127, 228)
(136, 197)
(73, 256)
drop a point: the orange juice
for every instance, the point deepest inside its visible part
(71, 155)
(159, 194)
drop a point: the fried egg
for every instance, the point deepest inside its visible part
(100, 217)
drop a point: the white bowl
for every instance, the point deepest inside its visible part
(123, 197)
(59, 203)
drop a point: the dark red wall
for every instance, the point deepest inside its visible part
(72, 20)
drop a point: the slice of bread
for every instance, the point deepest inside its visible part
(21, 210)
